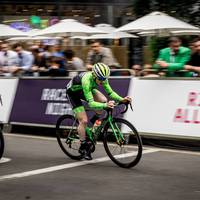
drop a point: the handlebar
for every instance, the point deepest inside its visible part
(121, 103)
(126, 107)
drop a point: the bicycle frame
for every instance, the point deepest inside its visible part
(109, 119)
(93, 136)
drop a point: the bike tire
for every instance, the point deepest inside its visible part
(68, 136)
(1, 144)
(135, 144)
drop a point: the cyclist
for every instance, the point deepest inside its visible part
(84, 87)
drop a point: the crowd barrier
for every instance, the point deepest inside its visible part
(164, 107)
(40, 101)
(8, 88)
(168, 107)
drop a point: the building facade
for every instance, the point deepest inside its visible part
(23, 14)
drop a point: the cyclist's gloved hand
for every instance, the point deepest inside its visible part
(110, 104)
(126, 99)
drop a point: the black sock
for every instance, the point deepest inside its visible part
(83, 141)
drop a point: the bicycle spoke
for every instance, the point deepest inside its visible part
(67, 136)
(127, 142)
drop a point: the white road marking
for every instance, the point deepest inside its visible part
(4, 160)
(66, 166)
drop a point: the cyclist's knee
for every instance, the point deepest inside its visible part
(83, 121)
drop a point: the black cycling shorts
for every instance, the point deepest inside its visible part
(75, 98)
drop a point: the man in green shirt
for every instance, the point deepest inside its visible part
(84, 87)
(173, 59)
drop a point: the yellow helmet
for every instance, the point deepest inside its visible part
(101, 71)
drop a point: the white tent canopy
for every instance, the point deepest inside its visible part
(113, 35)
(32, 32)
(186, 32)
(32, 38)
(80, 37)
(7, 32)
(107, 28)
(156, 21)
(68, 27)
(170, 33)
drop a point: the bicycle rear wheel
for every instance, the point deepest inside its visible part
(67, 136)
(124, 147)
(1, 144)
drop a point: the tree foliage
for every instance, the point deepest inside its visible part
(187, 10)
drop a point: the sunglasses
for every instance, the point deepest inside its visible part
(101, 79)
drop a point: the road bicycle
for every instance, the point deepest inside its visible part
(1, 143)
(121, 140)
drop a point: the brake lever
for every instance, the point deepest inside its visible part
(131, 106)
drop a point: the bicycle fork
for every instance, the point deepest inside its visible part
(117, 133)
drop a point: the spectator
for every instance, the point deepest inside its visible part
(25, 60)
(56, 67)
(98, 53)
(48, 51)
(194, 62)
(1, 42)
(191, 45)
(173, 58)
(73, 62)
(40, 62)
(41, 47)
(8, 60)
(57, 52)
(136, 70)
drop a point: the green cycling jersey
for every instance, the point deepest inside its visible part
(86, 83)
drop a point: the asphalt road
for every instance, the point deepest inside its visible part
(39, 170)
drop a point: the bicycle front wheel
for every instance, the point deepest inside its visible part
(1, 144)
(67, 136)
(122, 143)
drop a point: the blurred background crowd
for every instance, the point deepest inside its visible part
(38, 59)
(50, 60)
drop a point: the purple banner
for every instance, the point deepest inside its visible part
(42, 101)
